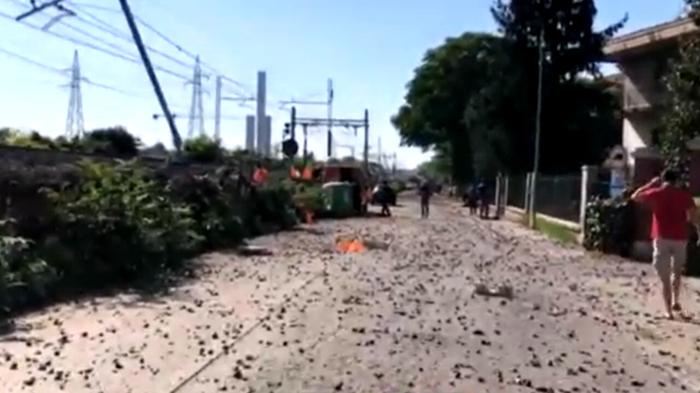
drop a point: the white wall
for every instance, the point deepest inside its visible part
(637, 132)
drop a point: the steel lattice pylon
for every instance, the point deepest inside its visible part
(196, 120)
(75, 124)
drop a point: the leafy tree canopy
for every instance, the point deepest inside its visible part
(571, 45)
(682, 122)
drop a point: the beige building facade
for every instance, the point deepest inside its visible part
(643, 57)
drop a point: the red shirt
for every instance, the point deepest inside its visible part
(669, 206)
(260, 176)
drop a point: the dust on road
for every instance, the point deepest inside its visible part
(400, 319)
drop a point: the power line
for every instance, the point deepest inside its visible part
(109, 29)
(106, 27)
(150, 27)
(62, 72)
(164, 37)
(93, 46)
(115, 47)
(33, 62)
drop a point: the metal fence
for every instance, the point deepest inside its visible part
(517, 191)
(559, 196)
(600, 185)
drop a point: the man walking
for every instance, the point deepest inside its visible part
(425, 192)
(384, 194)
(672, 208)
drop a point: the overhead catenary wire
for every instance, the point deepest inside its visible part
(119, 52)
(114, 46)
(109, 29)
(93, 46)
(158, 33)
(79, 6)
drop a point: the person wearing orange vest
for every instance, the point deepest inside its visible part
(260, 175)
(308, 173)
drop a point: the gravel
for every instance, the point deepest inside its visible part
(403, 316)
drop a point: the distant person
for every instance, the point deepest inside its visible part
(384, 194)
(260, 175)
(483, 201)
(425, 191)
(366, 199)
(672, 209)
(472, 199)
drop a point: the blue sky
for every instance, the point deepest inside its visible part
(368, 47)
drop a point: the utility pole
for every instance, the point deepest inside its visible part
(196, 105)
(328, 103)
(217, 109)
(261, 98)
(366, 150)
(330, 116)
(74, 121)
(327, 123)
(305, 128)
(177, 141)
(538, 125)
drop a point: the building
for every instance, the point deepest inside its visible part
(643, 57)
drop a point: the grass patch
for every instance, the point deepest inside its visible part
(556, 231)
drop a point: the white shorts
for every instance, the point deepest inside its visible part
(669, 256)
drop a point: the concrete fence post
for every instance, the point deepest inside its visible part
(506, 184)
(587, 175)
(528, 189)
(497, 198)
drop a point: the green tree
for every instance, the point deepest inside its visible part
(574, 107)
(203, 149)
(571, 45)
(437, 168)
(682, 122)
(433, 115)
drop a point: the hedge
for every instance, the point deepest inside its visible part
(108, 226)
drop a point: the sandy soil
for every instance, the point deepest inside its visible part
(399, 318)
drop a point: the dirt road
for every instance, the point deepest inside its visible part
(400, 318)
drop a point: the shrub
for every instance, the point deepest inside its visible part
(116, 225)
(609, 226)
(214, 203)
(114, 141)
(203, 149)
(25, 279)
(310, 198)
(32, 140)
(274, 206)
(105, 225)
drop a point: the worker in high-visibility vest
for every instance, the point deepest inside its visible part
(260, 175)
(308, 173)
